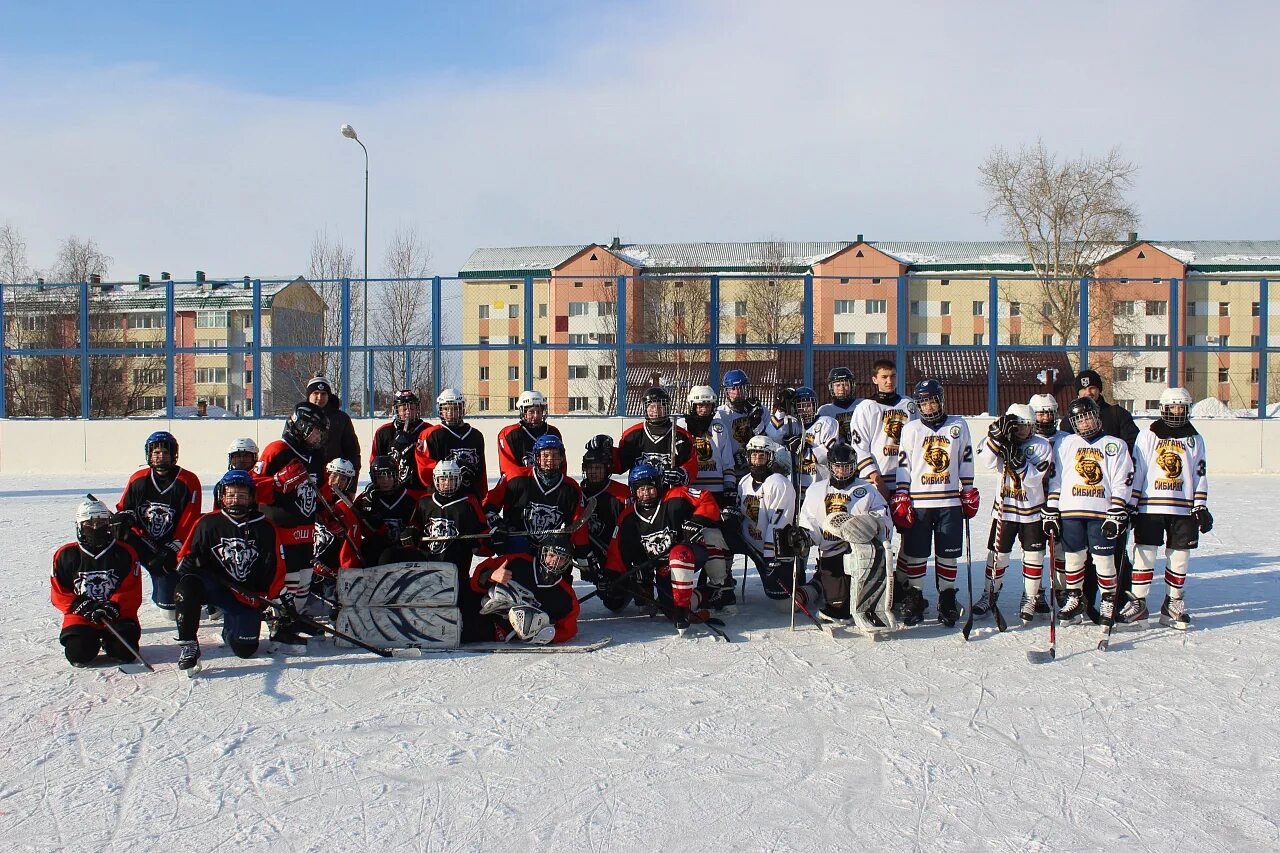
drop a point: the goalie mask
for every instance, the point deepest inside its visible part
(94, 530)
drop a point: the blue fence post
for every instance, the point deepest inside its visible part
(1264, 340)
(528, 332)
(1175, 346)
(1084, 324)
(344, 337)
(807, 340)
(713, 329)
(408, 370)
(170, 349)
(3, 412)
(84, 350)
(256, 353)
(436, 367)
(993, 349)
(368, 381)
(620, 348)
(901, 356)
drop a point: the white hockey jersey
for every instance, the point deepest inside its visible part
(1170, 472)
(860, 498)
(876, 429)
(1090, 477)
(822, 435)
(737, 427)
(1024, 490)
(842, 415)
(766, 507)
(714, 454)
(934, 464)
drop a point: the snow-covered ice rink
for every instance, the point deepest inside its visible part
(778, 741)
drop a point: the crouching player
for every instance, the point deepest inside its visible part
(96, 582)
(1086, 506)
(233, 546)
(529, 596)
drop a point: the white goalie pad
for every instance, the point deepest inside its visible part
(402, 627)
(412, 584)
(860, 528)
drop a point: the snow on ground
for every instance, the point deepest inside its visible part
(779, 741)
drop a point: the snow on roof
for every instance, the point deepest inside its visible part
(515, 258)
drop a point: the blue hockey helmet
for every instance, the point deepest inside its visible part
(236, 477)
(160, 438)
(644, 474)
(735, 379)
(547, 442)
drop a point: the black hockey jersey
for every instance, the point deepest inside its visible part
(247, 552)
(638, 442)
(611, 499)
(111, 574)
(166, 509)
(383, 514)
(459, 515)
(641, 536)
(526, 505)
(464, 445)
(390, 440)
(297, 508)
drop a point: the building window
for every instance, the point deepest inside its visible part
(845, 306)
(600, 404)
(1157, 340)
(483, 340)
(877, 306)
(1126, 340)
(1156, 374)
(578, 309)
(1015, 339)
(605, 371)
(919, 338)
(1127, 405)
(946, 307)
(577, 371)
(248, 377)
(606, 338)
(542, 370)
(1224, 374)
(916, 308)
(577, 404)
(945, 340)
(877, 337)
(1224, 341)
(142, 321)
(1156, 308)
(1126, 309)
(1047, 340)
(513, 372)
(484, 374)
(211, 375)
(607, 309)
(484, 311)
(542, 309)
(1191, 375)
(577, 338)
(979, 307)
(1015, 309)
(875, 281)
(740, 309)
(1191, 309)
(1124, 374)
(542, 339)
(1254, 309)
(678, 309)
(1253, 375)
(211, 319)
(740, 338)
(946, 281)
(978, 339)
(155, 376)
(1046, 310)
(1253, 340)
(1153, 405)
(482, 404)
(1224, 309)
(846, 338)
(513, 311)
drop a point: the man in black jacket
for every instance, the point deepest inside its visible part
(1117, 423)
(341, 441)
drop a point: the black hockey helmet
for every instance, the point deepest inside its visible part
(383, 465)
(659, 396)
(840, 374)
(405, 404)
(305, 422)
(930, 391)
(1085, 417)
(841, 457)
(804, 404)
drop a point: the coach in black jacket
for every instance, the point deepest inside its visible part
(341, 442)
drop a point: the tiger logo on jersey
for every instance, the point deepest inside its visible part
(440, 528)
(1013, 487)
(95, 585)
(237, 556)
(893, 421)
(1089, 470)
(937, 458)
(305, 497)
(835, 502)
(540, 518)
(702, 446)
(1170, 461)
(469, 460)
(742, 430)
(751, 508)
(846, 431)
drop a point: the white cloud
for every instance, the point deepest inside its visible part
(736, 121)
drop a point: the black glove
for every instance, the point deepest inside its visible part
(1203, 517)
(731, 514)
(123, 521)
(165, 560)
(755, 411)
(409, 536)
(1116, 522)
(106, 611)
(795, 444)
(402, 441)
(1051, 523)
(493, 518)
(589, 568)
(83, 606)
(600, 442)
(998, 432)
(783, 398)
(288, 605)
(692, 531)
(675, 477)
(499, 539)
(740, 461)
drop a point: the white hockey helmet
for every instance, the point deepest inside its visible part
(1021, 413)
(702, 394)
(530, 398)
(447, 469)
(242, 445)
(1170, 398)
(451, 405)
(340, 466)
(93, 524)
(764, 444)
(1043, 403)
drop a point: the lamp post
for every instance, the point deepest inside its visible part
(350, 133)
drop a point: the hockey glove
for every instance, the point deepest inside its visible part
(675, 477)
(123, 520)
(321, 570)
(969, 502)
(783, 397)
(1203, 517)
(165, 559)
(493, 518)
(1051, 523)
(589, 568)
(692, 531)
(731, 515)
(290, 477)
(795, 444)
(998, 432)
(83, 606)
(288, 603)
(904, 514)
(740, 460)
(499, 539)
(755, 411)
(1116, 522)
(106, 611)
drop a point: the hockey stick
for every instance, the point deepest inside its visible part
(129, 647)
(710, 623)
(997, 515)
(1105, 642)
(795, 519)
(307, 621)
(1034, 655)
(968, 577)
(587, 511)
(346, 531)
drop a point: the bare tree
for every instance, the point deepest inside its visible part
(78, 260)
(773, 306)
(13, 256)
(675, 311)
(1066, 214)
(331, 261)
(401, 314)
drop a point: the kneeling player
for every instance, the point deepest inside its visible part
(768, 503)
(528, 596)
(96, 582)
(1171, 493)
(232, 547)
(447, 515)
(851, 574)
(1086, 507)
(611, 498)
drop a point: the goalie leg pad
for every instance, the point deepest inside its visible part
(868, 576)
(402, 627)
(412, 584)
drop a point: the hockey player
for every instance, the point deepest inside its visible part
(1171, 497)
(515, 442)
(933, 495)
(234, 546)
(242, 454)
(840, 384)
(399, 436)
(768, 503)
(741, 415)
(383, 508)
(611, 498)
(876, 428)
(287, 477)
(539, 499)
(160, 505)
(673, 529)
(712, 446)
(845, 493)
(1023, 459)
(96, 582)
(651, 440)
(805, 435)
(336, 527)
(446, 514)
(529, 596)
(1086, 508)
(454, 439)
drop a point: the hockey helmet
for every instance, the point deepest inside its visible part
(1021, 420)
(447, 477)
(245, 501)
(94, 530)
(548, 469)
(837, 375)
(700, 395)
(242, 447)
(307, 423)
(656, 406)
(842, 461)
(804, 404)
(735, 379)
(344, 469)
(532, 406)
(1085, 417)
(929, 391)
(164, 440)
(383, 472)
(1175, 406)
(452, 406)
(406, 406)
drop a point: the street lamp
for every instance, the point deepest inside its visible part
(350, 133)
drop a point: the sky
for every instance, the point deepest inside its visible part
(208, 137)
